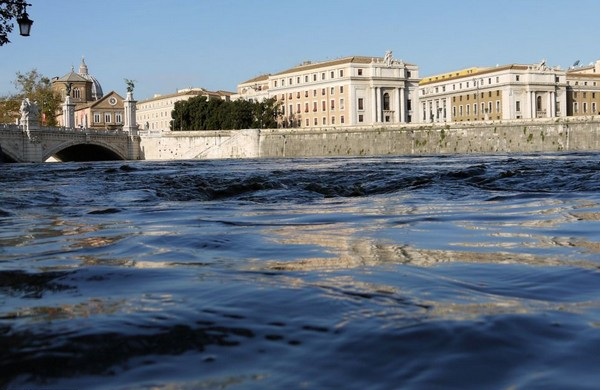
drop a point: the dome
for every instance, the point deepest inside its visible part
(96, 87)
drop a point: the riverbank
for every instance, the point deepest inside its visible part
(489, 137)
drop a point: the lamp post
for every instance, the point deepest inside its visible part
(24, 21)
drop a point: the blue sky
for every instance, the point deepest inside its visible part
(216, 44)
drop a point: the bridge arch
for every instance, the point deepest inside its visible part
(8, 155)
(74, 150)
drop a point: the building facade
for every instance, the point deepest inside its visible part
(495, 93)
(155, 114)
(93, 109)
(346, 91)
(583, 90)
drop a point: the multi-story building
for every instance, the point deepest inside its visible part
(346, 91)
(495, 93)
(155, 114)
(583, 90)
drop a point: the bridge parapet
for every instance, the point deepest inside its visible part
(38, 143)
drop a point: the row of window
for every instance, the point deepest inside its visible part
(461, 112)
(341, 89)
(576, 108)
(324, 121)
(291, 111)
(474, 96)
(306, 78)
(108, 118)
(576, 95)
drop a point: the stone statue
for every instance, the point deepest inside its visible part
(68, 87)
(25, 110)
(130, 85)
(389, 58)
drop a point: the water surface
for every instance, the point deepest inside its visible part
(369, 273)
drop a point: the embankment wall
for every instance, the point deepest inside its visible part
(561, 134)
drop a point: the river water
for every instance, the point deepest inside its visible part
(446, 272)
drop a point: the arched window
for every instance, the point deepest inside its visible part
(539, 103)
(76, 93)
(386, 104)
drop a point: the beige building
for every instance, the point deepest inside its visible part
(583, 90)
(346, 91)
(155, 114)
(93, 109)
(495, 93)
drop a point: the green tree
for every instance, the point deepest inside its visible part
(200, 113)
(8, 12)
(38, 88)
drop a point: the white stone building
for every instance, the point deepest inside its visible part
(494, 93)
(346, 91)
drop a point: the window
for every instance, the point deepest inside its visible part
(323, 76)
(332, 90)
(307, 122)
(539, 103)
(342, 104)
(323, 120)
(342, 119)
(315, 106)
(323, 91)
(118, 118)
(332, 104)
(332, 120)
(306, 78)
(341, 73)
(360, 118)
(584, 107)
(341, 89)
(594, 108)
(96, 118)
(518, 105)
(306, 107)
(77, 93)
(107, 117)
(315, 79)
(454, 110)
(323, 105)
(359, 72)
(298, 108)
(468, 109)
(575, 107)
(497, 106)
(332, 74)
(386, 105)
(360, 103)
(517, 78)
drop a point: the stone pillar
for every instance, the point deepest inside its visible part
(399, 104)
(68, 113)
(373, 105)
(379, 106)
(129, 107)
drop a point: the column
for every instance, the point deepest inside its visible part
(129, 108)
(552, 105)
(399, 104)
(373, 105)
(68, 113)
(379, 105)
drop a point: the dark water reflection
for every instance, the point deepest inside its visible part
(376, 273)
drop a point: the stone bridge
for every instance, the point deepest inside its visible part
(38, 144)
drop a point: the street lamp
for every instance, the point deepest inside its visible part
(24, 22)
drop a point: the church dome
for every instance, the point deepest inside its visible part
(96, 87)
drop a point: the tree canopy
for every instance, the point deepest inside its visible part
(36, 87)
(200, 113)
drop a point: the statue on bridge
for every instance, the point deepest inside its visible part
(29, 111)
(130, 85)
